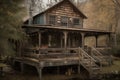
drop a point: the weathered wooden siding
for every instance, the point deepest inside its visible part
(67, 10)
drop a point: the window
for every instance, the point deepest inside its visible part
(64, 21)
(76, 21)
(52, 19)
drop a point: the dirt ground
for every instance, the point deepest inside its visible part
(115, 68)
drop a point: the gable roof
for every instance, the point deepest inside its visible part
(57, 4)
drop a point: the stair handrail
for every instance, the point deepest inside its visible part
(91, 58)
(85, 54)
(97, 52)
(93, 48)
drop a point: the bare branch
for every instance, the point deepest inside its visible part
(117, 3)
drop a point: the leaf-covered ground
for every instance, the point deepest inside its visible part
(18, 76)
(112, 69)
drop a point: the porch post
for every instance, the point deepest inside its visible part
(65, 39)
(22, 67)
(19, 46)
(39, 69)
(96, 38)
(115, 39)
(69, 42)
(78, 68)
(83, 39)
(58, 70)
(61, 42)
(49, 38)
(109, 42)
(39, 40)
(109, 38)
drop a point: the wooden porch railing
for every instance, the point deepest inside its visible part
(57, 52)
(101, 58)
(50, 53)
(79, 54)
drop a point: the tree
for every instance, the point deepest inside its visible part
(100, 13)
(34, 7)
(117, 20)
(11, 15)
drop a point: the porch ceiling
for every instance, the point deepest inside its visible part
(88, 32)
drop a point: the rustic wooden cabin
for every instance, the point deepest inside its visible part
(57, 38)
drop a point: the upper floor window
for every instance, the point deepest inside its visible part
(52, 19)
(64, 21)
(76, 21)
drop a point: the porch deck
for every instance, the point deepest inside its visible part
(48, 62)
(53, 57)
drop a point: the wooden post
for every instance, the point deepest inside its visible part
(19, 49)
(61, 41)
(79, 68)
(80, 57)
(65, 39)
(115, 40)
(39, 69)
(83, 39)
(96, 37)
(91, 68)
(58, 70)
(22, 67)
(65, 42)
(69, 42)
(109, 40)
(39, 40)
(49, 40)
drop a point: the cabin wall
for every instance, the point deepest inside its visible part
(66, 10)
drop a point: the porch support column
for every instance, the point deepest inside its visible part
(78, 68)
(61, 42)
(115, 39)
(22, 67)
(19, 46)
(39, 69)
(69, 42)
(39, 40)
(83, 39)
(96, 38)
(109, 40)
(58, 70)
(65, 39)
(49, 38)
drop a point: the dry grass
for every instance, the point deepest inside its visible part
(110, 69)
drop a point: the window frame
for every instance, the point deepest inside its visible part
(52, 21)
(76, 23)
(64, 22)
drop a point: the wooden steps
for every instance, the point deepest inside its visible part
(99, 57)
(89, 63)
